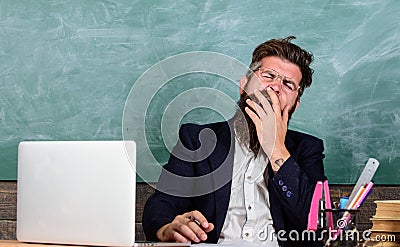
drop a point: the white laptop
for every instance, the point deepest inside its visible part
(77, 192)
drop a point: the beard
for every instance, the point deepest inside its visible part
(245, 129)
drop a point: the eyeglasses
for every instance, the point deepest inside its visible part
(270, 75)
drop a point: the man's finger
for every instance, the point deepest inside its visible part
(251, 104)
(196, 228)
(275, 101)
(257, 109)
(285, 115)
(199, 217)
(200, 225)
(201, 220)
(266, 105)
(185, 231)
(209, 228)
(178, 237)
(253, 116)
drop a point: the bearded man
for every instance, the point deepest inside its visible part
(250, 177)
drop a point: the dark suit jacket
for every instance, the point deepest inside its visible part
(290, 189)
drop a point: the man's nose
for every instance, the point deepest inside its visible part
(275, 85)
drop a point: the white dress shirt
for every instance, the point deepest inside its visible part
(248, 216)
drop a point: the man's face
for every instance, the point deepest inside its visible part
(290, 71)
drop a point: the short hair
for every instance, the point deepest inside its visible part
(284, 49)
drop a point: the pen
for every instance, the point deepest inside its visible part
(194, 220)
(364, 196)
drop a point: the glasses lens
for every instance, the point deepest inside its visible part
(269, 75)
(289, 86)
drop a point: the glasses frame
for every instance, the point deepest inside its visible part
(282, 78)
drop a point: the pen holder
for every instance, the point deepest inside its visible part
(345, 227)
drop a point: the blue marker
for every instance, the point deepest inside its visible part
(343, 201)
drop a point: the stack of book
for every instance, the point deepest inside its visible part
(385, 224)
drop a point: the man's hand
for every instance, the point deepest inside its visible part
(191, 226)
(271, 123)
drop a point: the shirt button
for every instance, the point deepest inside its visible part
(280, 182)
(249, 207)
(249, 177)
(289, 194)
(284, 188)
(246, 234)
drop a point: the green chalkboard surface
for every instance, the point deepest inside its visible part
(68, 67)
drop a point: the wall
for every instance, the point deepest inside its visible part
(67, 68)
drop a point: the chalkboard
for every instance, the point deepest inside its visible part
(68, 67)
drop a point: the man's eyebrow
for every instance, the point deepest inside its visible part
(279, 73)
(289, 79)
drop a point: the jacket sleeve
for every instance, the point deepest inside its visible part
(164, 205)
(293, 185)
(161, 209)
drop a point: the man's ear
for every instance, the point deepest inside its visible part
(243, 83)
(297, 104)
